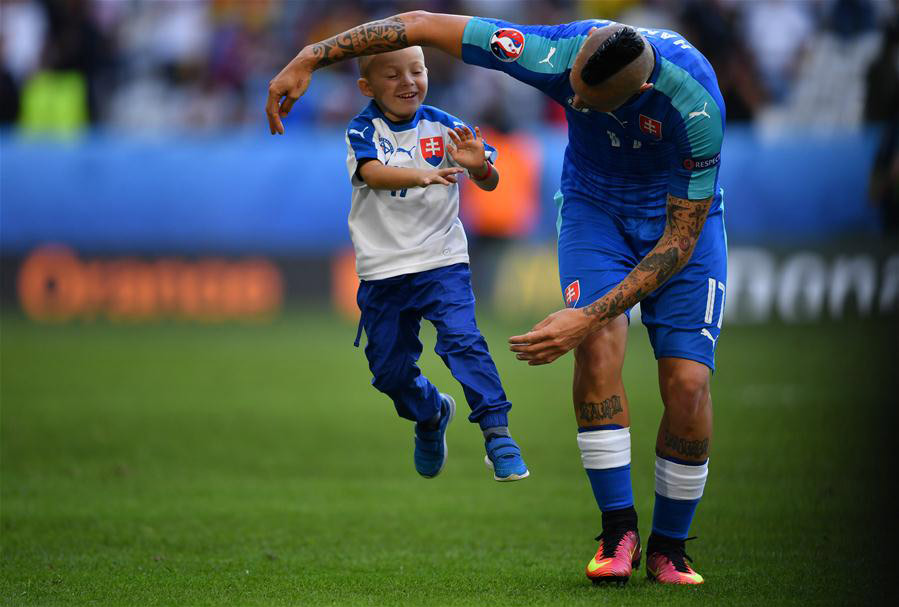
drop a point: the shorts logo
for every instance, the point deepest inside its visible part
(572, 294)
(697, 165)
(432, 150)
(651, 126)
(507, 44)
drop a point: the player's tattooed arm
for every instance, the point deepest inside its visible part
(443, 32)
(565, 329)
(685, 219)
(366, 39)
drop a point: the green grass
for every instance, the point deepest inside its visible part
(254, 465)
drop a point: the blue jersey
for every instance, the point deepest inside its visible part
(664, 141)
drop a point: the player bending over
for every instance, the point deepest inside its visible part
(412, 258)
(640, 220)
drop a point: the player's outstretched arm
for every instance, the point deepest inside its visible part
(417, 28)
(563, 330)
(379, 176)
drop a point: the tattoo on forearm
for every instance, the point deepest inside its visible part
(685, 219)
(366, 39)
(685, 447)
(606, 409)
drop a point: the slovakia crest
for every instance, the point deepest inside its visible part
(432, 150)
(507, 44)
(572, 294)
(651, 126)
(386, 147)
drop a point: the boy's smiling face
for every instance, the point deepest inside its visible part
(398, 81)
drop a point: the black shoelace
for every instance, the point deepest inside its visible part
(674, 550)
(610, 539)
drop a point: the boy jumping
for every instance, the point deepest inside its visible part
(412, 258)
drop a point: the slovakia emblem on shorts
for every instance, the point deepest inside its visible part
(572, 294)
(432, 150)
(507, 44)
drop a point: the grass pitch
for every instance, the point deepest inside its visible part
(254, 465)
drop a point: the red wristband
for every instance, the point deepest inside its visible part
(485, 176)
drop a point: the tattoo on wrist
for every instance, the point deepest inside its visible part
(686, 447)
(606, 409)
(366, 39)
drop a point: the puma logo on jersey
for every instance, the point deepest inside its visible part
(706, 333)
(702, 112)
(357, 132)
(409, 151)
(546, 60)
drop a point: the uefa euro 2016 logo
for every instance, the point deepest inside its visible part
(507, 44)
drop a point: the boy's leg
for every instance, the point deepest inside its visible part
(393, 348)
(462, 347)
(450, 307)
(391, 325)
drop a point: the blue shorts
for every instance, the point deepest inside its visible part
(598, 248)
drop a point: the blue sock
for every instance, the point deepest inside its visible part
(606, 455)
(672, 518)
(679, 487)
(612, 487)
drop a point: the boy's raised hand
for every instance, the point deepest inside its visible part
(438, 177)
(468, 148)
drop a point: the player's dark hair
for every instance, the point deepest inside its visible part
(614, 53)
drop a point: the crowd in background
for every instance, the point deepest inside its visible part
(158, 66)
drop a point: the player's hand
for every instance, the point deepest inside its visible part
(283, 91)
(438, 177)
(467, 148)
(551, 337)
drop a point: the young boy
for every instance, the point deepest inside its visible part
(412, 258)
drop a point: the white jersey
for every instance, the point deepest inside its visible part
(412, 230)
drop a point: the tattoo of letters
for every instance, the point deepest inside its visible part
(606, 409)
(685, 219)
(685, 447)
(366, 39)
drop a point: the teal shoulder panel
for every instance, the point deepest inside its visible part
(541, 54)
(549, 56)
(697, 108)
(702, 123)
(478, 32)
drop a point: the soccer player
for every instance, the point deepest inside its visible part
(412, 258)
(640, 220)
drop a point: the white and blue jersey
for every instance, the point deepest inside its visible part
(619, 169)
(411, 230)
(664, 141)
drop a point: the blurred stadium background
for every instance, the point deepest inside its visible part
(177, 288)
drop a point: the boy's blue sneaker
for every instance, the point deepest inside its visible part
(430, 445)
(504, 458)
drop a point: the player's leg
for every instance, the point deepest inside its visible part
(682, 455)
(593, 258)
(392, 349)
(601, 409)
(684, 320)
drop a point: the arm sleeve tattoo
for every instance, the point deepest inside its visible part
(671, 253)
(366, 39)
